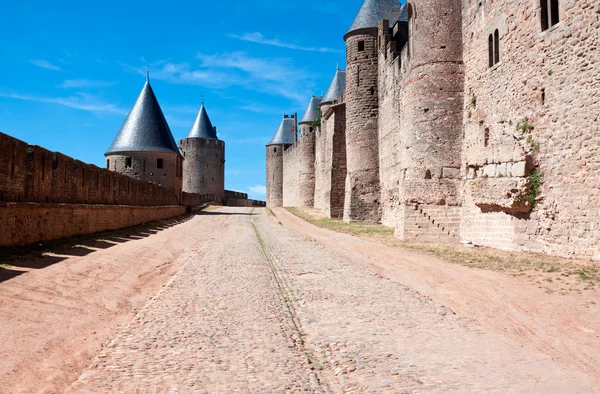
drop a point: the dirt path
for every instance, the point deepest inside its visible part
(564, 327)
(58, 310)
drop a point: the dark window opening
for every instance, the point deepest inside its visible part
(361, 46)
(274, 149)
(543, 96)
(107, 164)
(427, 174)
(372, 90)
(128, 162)
(491, 50)
(159, 163)
(496, 47)
(549, 13)
(554, 15)
(486, 137)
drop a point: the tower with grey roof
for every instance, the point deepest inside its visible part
(330, 152)
(284, 137)
(361, 97)
(144, 147)
(204, 153)
(308, 123)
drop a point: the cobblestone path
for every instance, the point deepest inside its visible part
(262, 310)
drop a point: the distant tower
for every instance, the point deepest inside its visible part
(434, 114)
(204, 153)
(330, 155)
(144, 148)
(362, 182)
(307, 152)
(284, 137)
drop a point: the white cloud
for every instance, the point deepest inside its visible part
(260, 190)
(85, 83)
(80, 101)
(45, 64)
(273, 76)
(259, 38)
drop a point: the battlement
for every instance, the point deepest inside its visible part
(208, 142)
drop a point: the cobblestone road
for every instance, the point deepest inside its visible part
(262, 310)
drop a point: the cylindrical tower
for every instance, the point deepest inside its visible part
(434, 103)
(309, 121)
(204, 153)
(284, 137)
(362, 153)
(144, 148)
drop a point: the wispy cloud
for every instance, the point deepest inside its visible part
(81, 101)
(259, 38)
(260, 190)
(45, 64)
(85, 83)
(273, 76)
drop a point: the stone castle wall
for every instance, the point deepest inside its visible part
(456, 144)
(291, 175)
(306, 197)
(274, 180)
(204, 166)
(536, 110)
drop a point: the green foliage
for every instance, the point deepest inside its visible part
(550, 72)
(524, 126)
(474, 101)
(317, 122)
(510, 123)
(536, 178)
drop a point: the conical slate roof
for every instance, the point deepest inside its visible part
(336, 88)
(403, 13)
(312, 111)
(145, 128)
(285, 134)
(202, 127)
(373, 12)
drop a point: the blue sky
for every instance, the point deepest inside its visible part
(71, 70)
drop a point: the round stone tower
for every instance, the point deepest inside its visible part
(307, 152)
(434, 82)
(204, 153)
(283, 138)
(144, 148)
(362, 153)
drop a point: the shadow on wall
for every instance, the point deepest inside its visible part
(15, 261)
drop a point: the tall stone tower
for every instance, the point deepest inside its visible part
(285, 136)
(307, 152)
(144, 148)
(431, 133)
(362, 198)
(204, 153)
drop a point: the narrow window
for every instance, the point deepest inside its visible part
(496, 47)
(411, 29)
(159, 163)
(107, 164)
(275, 149)
(486, 137)
(544, 14)
(128, 162)
(491, 50)
(361, 46)
(554, 14)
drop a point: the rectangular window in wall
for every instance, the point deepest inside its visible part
(128, 162)
(159, 163)
(361, 46)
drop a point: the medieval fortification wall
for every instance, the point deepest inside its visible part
(483, 127)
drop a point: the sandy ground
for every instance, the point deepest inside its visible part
(228, 300)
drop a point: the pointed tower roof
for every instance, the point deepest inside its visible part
(202, 127)
(145, 128)
(285, 134)
(336, 88)
(312, 111)
(373, 12)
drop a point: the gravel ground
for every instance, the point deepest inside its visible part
(260, 309)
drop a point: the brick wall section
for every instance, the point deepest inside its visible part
(362, 157)
(274, 179)
(29, 173)
(27, 223)
(291, 175)
(550, 78)
(204, 166)
(144, 167)
(306, 197)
